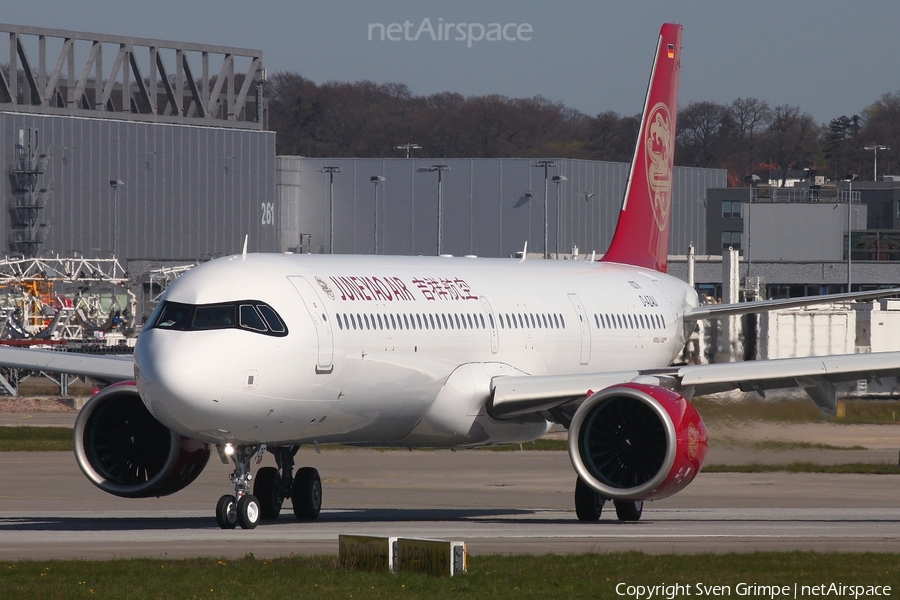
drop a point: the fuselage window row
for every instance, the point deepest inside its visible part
(531, 321)
(350, 321)
(362, 321)
(607, 321)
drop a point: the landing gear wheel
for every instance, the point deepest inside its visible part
(248, 512)
(265, 488)
(226, 512)
(307, 494)
(588, 502)
(629, 510)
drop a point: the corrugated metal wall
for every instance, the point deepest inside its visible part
(189, 193)
(491, 207)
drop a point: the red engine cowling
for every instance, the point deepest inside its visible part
(637, 442)
(124, 451)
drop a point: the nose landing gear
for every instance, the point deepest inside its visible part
(242, 508)
(271, 487)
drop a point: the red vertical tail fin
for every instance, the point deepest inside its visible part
(642, 233)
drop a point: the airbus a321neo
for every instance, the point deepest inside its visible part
(260, 353)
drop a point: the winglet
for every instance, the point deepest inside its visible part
(244, 251)
(642, 233)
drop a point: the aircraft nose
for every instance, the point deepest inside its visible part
(173, 378)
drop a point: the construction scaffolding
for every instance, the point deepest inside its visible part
(147, 79)
(46, 301)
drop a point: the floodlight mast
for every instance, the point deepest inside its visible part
(546, 164)
(440, 171)
(558, 179)
(407, 147)
(115, 184)
(376, 179)
(876, 148)
(850, 179)
(331, 171)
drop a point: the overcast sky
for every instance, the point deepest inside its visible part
(829, 57)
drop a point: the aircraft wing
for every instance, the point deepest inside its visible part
(97, 367)
(714, 311)
(817, 375)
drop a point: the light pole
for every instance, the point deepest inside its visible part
(546, 164)
(408, 147)
(876, 148)
(558, 179)
(440, 171)
(752, 180)
(849, 179)
(376, 179)
(331, 171)
(115, 184)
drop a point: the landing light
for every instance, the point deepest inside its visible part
(229, 449)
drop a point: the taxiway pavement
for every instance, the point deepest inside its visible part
(497, 502)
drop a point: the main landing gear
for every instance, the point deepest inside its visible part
(589, 505)
(270, 488)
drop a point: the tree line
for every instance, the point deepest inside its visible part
(365, 119)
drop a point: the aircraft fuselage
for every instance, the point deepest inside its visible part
(395, 350)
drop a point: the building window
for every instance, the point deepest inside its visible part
(731, 239)
(731, 209)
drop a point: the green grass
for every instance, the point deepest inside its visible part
(35, 439)
(542, 445)
(781, 445)
(797, 411)
(807, 467)
(519, 577)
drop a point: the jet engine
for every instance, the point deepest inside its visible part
(124, 451)
(637, 442)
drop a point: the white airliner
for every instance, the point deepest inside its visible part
(267, 352)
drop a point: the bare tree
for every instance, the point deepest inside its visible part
(792, 139)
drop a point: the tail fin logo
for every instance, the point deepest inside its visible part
(658, 143)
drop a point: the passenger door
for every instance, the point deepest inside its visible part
(320, 319)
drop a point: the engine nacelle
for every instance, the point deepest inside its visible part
(637, 442)
(125, 451)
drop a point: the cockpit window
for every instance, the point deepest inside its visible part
(214, 317)
(250, 319)
(272, 318)
(174, 315)
(249, 315)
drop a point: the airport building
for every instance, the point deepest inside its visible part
(488, 207)
(793, 241)
(142, 149)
